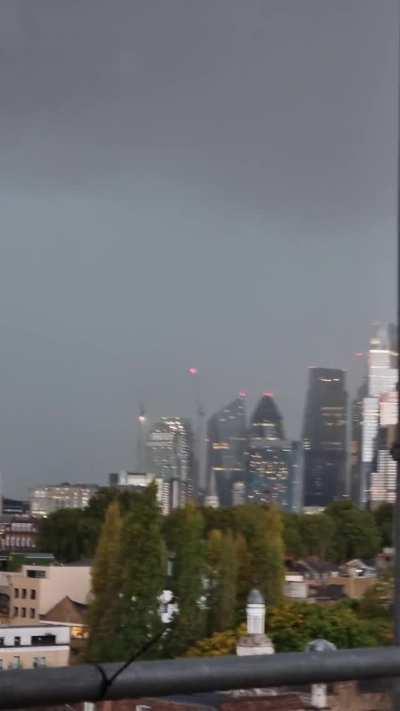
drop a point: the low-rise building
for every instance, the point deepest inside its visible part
(36, 589)
(34, 646)
(18, 533)
(295, 586)
(166, 490)
(45, 500)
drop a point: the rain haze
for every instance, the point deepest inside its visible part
(204, 183)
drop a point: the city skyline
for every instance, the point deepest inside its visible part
(185, 184)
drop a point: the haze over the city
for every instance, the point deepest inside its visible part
(185, 183)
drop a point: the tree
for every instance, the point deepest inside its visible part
(188, 581)
(104, 609)
(143, 574)
(262, 530)
(222, 569)
(356, 533)
(317, 532)
(383, 516)
(292, 625)
(292, 535)
(68, 535)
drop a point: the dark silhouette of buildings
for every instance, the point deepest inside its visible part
(324, 437)
(226, 434)
(269, 455)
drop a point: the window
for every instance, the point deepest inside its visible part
(15, 611)
(44, 639)
(24, 593)
(1, 641)
(33, 594)
(16, 592)
(32, 573)
(17, 643)
(32, 613)
(1, 665)
(16, 663)
(24, 612)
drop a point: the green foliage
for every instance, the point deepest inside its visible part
(317, 532)
(143, 573)
(68, 534)
(222, 571)
(261, 527)
(188, 581)
(340, 533)
(292, 625)
(128, 575)
(383, 516)
(104, 610)
(356, 534)
(220, 644)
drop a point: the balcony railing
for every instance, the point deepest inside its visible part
(21, 689)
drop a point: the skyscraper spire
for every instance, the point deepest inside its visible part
(141, 439)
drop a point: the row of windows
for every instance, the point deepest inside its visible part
(36, 640)
(17, 664)
(23, 612)
(24, 593)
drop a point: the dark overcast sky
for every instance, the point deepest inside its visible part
(206, 182)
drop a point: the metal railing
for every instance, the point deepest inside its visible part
(21, 689)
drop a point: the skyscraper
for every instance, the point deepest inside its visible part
(324, 436)
(382, 382)
(269, 455)
(226, 434)
(356, 442)
(170, 456)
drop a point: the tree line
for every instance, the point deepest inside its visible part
(210, 559)
(340, 533)
(210, 571)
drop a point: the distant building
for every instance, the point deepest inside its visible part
(226, 435)
(37, 589)
(34, 646)
(324, 437)
(73, 615)
(239, 493)
(18, 533)
(269, 455)
(14, 507)
(170, 456)
(167, 496)
(356, 443)
(46, 499)
(379, 416)
(296, 478)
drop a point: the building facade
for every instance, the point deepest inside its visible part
(170, 457)
(46, 499)
(379, 414)
(269, 455)
(325, 437)
(227, 438)
(34, 646)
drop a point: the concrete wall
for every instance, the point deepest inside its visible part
(61, 580)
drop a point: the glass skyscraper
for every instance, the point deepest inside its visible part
(170, 456)
(379, 412)
(269, 455)
(324, 437)
(226, 435)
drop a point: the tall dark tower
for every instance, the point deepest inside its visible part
(226, 435)
(324, 437)
(269, 455)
